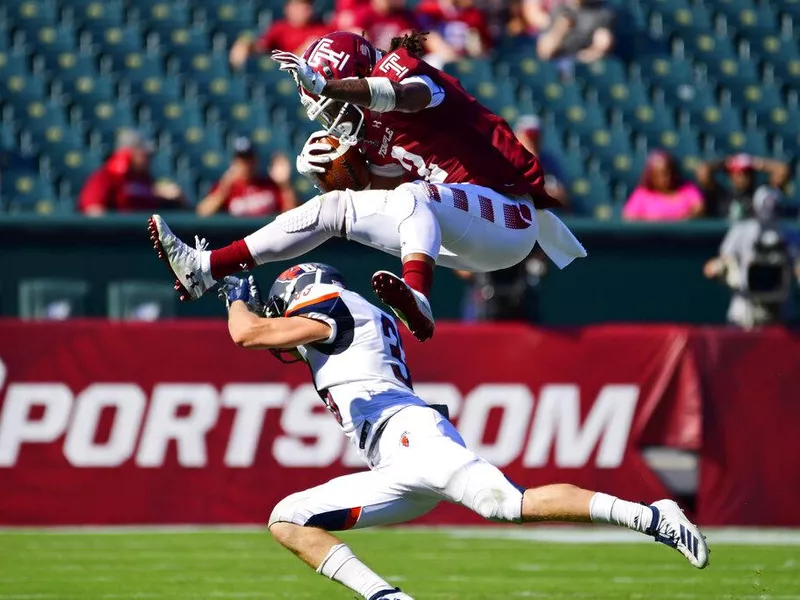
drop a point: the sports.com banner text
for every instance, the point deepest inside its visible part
(108, 423)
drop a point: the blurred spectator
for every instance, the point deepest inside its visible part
(293, 34)
(538, 14)
(243, 192)
(580, 29)
(344, 9)
(507, 295)
(381, 21)
(496, 14)
(531, 17)
(736, 202)
(662, 194)
(124, 183)
(456, 28)
(515, 23)
(756, 260)
(528, 131)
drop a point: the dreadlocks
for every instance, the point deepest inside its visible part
(413, 42)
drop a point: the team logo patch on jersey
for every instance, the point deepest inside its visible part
(404, 440)
(324, 52)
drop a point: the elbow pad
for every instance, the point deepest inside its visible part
(381, 92)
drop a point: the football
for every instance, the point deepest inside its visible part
(347, 171)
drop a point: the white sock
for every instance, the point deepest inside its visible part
(610, 509)
(205, 266)
(342, 565)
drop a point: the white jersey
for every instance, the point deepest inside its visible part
(360, 370)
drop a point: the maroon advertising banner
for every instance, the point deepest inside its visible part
(112, 423)
(750, 463)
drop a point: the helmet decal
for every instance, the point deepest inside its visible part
(295, 272)
(323, 52)
(338, 55)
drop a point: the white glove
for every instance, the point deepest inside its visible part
(308, 163)
(298, 68)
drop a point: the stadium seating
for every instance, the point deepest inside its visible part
(52, 299)
(140, 300)
(694, 77)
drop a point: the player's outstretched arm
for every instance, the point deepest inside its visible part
(379, 94)
(250, 331)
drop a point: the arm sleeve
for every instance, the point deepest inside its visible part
(96, 191)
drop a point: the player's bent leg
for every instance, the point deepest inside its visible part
(420, 243)
(290, 235)
(330, 557)
(302, 522)
(486, 229)
(407, 303)
(294, 232)
(425, 451)
(662, 520)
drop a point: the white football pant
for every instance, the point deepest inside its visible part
(461, 226)
(418, 461)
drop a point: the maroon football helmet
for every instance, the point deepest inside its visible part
(338, 55)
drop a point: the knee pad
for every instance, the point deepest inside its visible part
(491, 495)
(499, 505)
(288, 511)
(403, 201)
(326, 212)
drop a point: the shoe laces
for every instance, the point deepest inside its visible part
(200, 244)
(667, 532)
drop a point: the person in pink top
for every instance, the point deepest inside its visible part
(662, 194)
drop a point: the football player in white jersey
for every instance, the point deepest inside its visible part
(415, 455)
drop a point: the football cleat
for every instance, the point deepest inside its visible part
(411, 307)
(671, 527)
(394, 594)
(182, 259)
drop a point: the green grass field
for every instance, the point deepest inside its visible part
(465, 564)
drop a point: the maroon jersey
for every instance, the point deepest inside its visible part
(458, 141)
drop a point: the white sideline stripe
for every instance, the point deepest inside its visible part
(607, 535)
(532, 533)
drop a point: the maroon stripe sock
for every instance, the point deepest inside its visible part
(419, 275)
(231, 259)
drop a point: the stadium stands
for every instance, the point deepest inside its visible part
(698, 78)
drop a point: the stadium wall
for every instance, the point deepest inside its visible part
(112, 423)
(636, 272)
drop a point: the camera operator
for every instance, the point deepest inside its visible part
(756, 261)
(506, 295)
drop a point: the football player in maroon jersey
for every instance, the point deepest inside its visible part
(451, 185)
